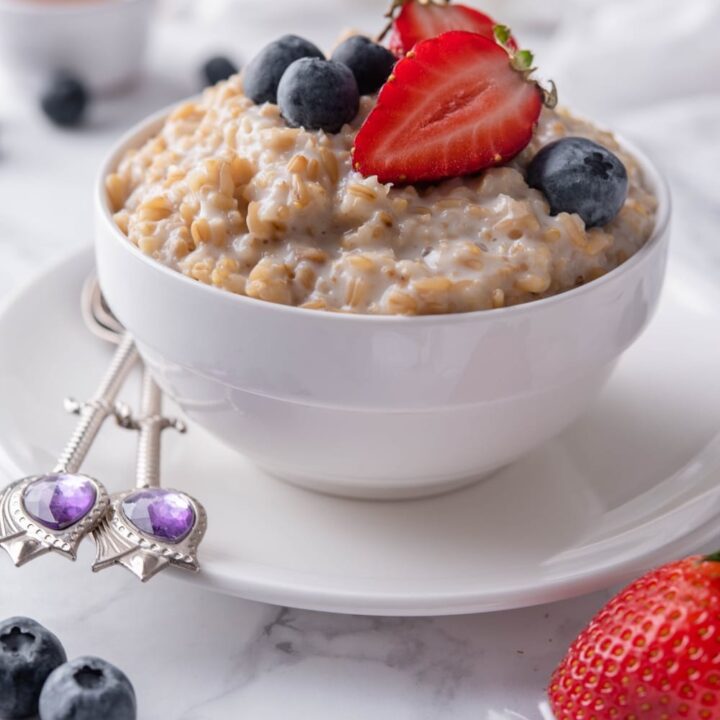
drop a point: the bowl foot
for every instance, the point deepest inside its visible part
(362, 489)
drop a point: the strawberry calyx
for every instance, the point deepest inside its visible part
(523, 62)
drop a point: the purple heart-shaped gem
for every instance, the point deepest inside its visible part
(164, 514)
(59, 501)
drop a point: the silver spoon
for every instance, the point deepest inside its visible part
(53, 512)
(148, 528)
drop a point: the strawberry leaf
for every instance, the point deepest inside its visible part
(502, 34)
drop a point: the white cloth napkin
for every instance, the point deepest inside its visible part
(615, 55)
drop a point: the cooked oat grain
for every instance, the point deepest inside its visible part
(230, 196)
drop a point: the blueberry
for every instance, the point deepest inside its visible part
(28, 654)
(371, 63)
(318, 95)
(88, 688)
(218, 68)
(262, 75)
(579, 176)
(64, 102)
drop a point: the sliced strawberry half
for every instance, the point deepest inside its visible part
(453, 106)
(418, 21)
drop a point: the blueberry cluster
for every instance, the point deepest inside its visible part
(577, 175)
(35, 678)
(312, 91)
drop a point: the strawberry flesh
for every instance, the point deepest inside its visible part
(453, 106)
(422, 21)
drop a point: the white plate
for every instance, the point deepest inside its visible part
(631, 484)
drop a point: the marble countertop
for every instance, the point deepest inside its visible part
(198, 656)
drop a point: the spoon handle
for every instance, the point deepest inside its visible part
(151, 426)
(132, 539)
(93, 413)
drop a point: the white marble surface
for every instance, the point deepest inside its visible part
(197, 656)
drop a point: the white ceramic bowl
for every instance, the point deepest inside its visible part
(376, 406)
(102, 42)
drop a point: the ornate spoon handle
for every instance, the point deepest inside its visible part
(54, 512)
(94, 412)
(151, 425)
(149, 528)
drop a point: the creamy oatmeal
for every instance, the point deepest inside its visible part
(230, 196)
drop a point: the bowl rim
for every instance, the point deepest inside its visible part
(145, 128)
(70, 8)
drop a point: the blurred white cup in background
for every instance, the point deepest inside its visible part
(101, 42)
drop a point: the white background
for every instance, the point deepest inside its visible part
(646, 67)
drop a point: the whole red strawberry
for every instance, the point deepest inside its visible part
(652, 653)
(423, 19)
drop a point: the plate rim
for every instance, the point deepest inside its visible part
(311, 591)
